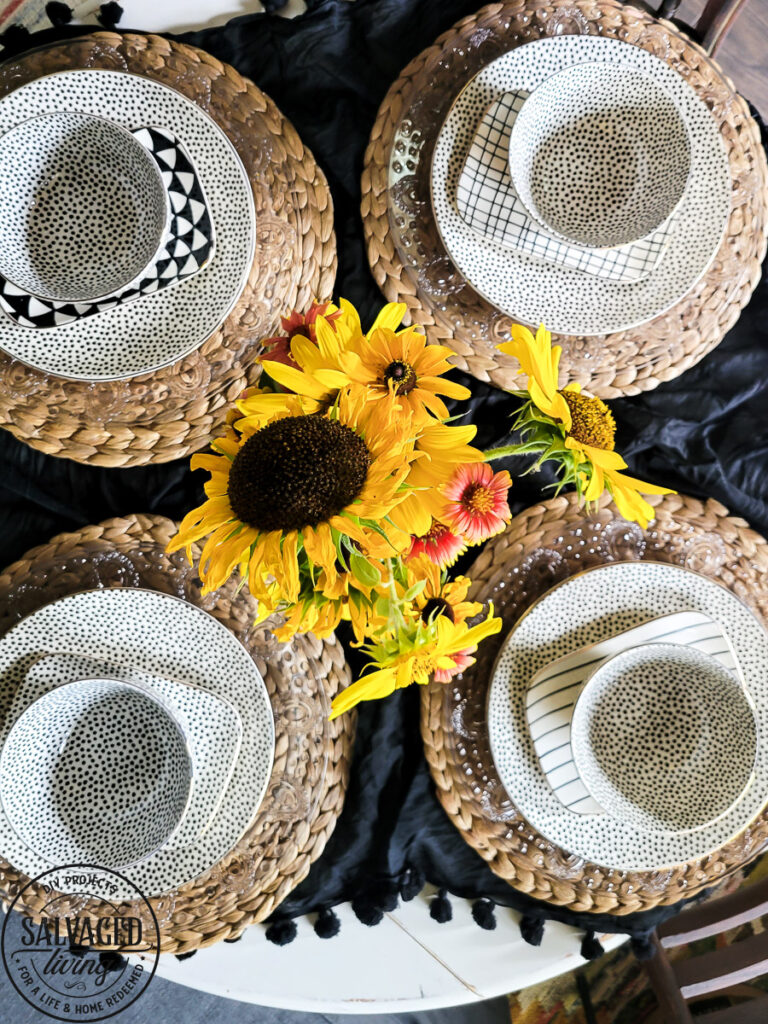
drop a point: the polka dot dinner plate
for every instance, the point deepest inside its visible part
(567, 300)
(160, 328)
(586, 609)
(161, 636)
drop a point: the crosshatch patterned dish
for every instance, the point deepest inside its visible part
(138, 337)
(583, 610)
(535, 291)
(187, 247)
(555, 688)
(600, 154)
(210, 722)
(169, 638)
(487, 201)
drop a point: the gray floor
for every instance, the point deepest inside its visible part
(167, 1003)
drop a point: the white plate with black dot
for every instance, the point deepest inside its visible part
(209, 721)
(569, 301)
(587, 609)
(162, 636)
(157, 329)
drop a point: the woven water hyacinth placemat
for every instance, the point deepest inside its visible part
(542, 546)
(174, 412)
(312, 755)
(411, 265)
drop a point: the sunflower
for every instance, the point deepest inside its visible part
(294, 488)
(404, 374)
(569, 427)
(441, 596)
(319, 369)
(477, 502)
(414, 655)
(540, 362)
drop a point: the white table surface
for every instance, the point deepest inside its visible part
(408, 962)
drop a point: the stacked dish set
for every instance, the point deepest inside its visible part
(579, 181)
(627, 715)
(127, 224)
(138, 737)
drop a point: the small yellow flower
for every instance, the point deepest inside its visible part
(576, 429)
(540, 362)
(415, 658)
(403, 373)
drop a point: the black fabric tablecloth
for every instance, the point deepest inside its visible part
(704, 434)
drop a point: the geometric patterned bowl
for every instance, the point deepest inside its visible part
(96, 771)
(83, 208)
(664, 737)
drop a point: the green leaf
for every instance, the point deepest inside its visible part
(363, 571)
(414, 591)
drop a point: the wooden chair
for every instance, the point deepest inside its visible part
(712, 25)
(677, 984)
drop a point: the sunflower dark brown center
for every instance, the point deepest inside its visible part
(297, 472)
(437, 606)
(402, 377)
(592, 421)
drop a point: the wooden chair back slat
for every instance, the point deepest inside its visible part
(719, 915)
(712, 25)
(732, 965)
(755, 1011)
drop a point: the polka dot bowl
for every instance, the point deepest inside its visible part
(664, 737)
(83, 208)
(599, 155)
(97, 771)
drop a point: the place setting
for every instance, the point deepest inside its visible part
(124, 301)
(617, 731)
(536, 185)
(159, 735)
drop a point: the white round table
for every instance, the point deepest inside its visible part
(408, 962)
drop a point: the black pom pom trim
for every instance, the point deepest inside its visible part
(270, 6)
(643, 947)
(58, 14)
(591, 949)
(110, 14)
(440, 908)
(388, 899)
(78, 951)
(281, 932)
(327, 925)
(532, 929)
(111, 960)
(14, 39)
(482, 911)
(367, 911)
(411, 885)
(186, 956)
